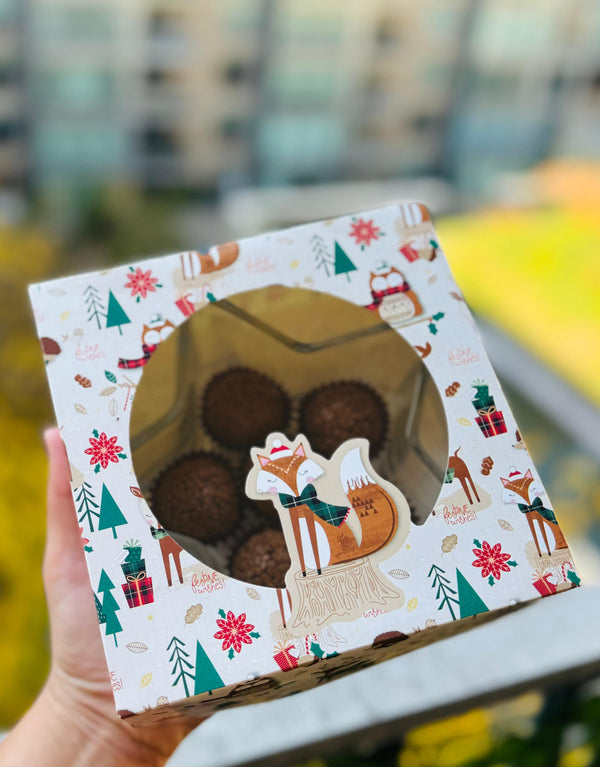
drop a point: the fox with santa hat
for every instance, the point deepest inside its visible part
(362, 512)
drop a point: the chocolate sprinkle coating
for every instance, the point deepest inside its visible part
(242, 407)
(197, 496)
(340, 411)
(263, 560)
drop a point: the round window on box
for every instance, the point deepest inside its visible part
(278, 360)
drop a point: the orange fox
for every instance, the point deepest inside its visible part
(327, 532)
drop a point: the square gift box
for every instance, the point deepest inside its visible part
(399, 519)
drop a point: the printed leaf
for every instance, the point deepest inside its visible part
(477, 543)
(412, 603)
(231, 654)
(512, 563)
(438, 316)
(399, 574)
(317, 650)
(145, 680)
(491, 580)
(79, 408)
(255, 635)
(108, 391)
(136, 647)
(136, 491)
(64, 316)
(573, 577)
(111, 376)
(113, 409)
(252, 593)
(463, 421)
(222, 613)
(505, 525)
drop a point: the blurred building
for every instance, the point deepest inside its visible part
(181, 94)
(14, 165)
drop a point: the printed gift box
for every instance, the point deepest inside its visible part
(278, 454)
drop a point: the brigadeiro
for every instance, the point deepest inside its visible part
(197, 496)
(339, 411)
(241, 407)
(263, 559)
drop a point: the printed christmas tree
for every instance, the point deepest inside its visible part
(109, 607)
(115, 315)
(111, 515)
(180, 664)
(342, 263)
(87, 506)
(207, 677)
(469, 601)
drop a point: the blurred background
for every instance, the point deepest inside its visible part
(139, 127)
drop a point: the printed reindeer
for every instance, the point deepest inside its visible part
(518, 486)
(462, 473)
(361, 515)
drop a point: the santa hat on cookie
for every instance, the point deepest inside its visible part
(279, 450)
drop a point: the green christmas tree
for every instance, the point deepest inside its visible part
(109, 607)
(87, 506)
(179, 655)
(101, 616)
(469, 601)
(207, 677)
(111, 515)
(115, 316)
(444, 590)
(342, 264)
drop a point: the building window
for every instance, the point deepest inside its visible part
(239, 72)
(76, 23)
(157, 140)
(78, 90)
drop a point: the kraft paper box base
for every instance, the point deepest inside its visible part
(393, 544)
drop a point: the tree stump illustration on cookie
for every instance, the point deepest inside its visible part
(339, 520)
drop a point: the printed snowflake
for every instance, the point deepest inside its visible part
(103, 451)
(364, 231)
(141, 283)
(491, 560)
(234, 631)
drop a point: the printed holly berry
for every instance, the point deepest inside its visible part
(141, 283)
(364, 232)
(492, 560)
(103, 450)
(234, 632)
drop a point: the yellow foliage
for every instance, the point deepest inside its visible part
(578, 757)
(535, 274)
(25, 257)
(23, 643)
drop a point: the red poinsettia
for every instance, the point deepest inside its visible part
(141, 283)
(364, 231)
(103, 450)
(234, 631)
(491, 560)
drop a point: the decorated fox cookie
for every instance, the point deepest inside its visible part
(339, 519)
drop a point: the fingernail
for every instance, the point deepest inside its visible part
(44, 436)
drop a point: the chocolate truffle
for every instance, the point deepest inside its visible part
(197, 496)
(340, 411)
(241, 407)
(263, 559)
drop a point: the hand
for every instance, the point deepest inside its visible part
(73, 721)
